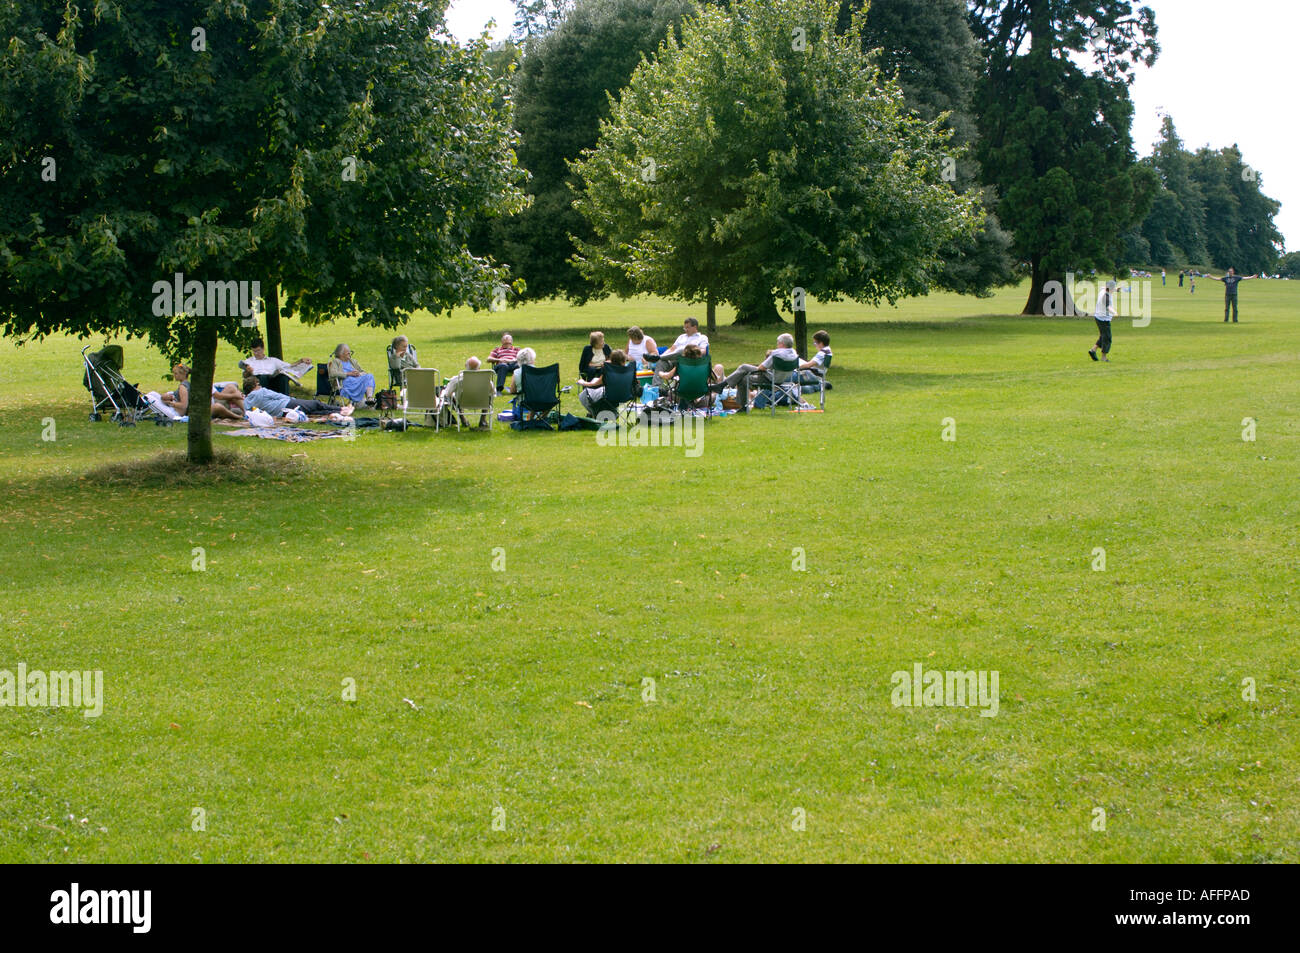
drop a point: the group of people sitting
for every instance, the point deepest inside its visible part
(266, 380)
(692, 344)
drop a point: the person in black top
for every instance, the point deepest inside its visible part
(593, 356)
(1230, 282)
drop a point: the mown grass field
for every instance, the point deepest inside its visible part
(517, 696)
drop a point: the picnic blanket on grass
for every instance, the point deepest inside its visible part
(288, 434)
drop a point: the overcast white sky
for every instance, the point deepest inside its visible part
(1225, 73)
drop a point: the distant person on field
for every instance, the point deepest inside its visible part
(1230, 282)
(1106, 310)
(1181, 275)
(1162, 277)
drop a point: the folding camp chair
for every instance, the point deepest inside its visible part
(421, 393)
(539, 391)
(784, 380)
(621, 389)
(693, 382)
(327, 388)
(819, 381)
(473, 396)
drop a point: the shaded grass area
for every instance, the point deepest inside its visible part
(499, 602)
(172, 468)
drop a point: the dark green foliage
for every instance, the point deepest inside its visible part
(1055, 140)
(761, 154)
(217, 140)
(562, 92)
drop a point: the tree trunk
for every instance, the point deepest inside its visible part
(272, 300)
(801, 333)
(204, 366)
(1051, 294)
(1034, 304)
(711, 314)
(759, 311)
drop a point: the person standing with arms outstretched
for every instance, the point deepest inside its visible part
(1230, 282)
(1105, 312)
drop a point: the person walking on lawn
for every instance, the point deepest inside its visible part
(1105, 312)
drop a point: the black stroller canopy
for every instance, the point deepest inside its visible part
(110, 356)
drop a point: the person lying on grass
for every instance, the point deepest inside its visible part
(275, 403)
(227, 399)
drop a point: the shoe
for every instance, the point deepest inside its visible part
(1092, 353)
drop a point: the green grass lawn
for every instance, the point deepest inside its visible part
(517, 696)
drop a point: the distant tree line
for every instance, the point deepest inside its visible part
(1208, 210)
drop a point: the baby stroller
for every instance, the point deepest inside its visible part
(110, 391)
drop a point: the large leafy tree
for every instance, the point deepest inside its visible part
(1175, 226)
(763, 152)
(570, 68)
(1055, 140)
(1239, 229)
(927, 47)
(338, 150)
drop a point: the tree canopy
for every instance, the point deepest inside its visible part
(340, 150)
(1055, 140)
(561, 93)
(763, 152)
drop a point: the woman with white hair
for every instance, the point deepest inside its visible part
(525, 356)
(354, 383)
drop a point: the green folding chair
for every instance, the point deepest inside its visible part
(693, 381)
(784, 379)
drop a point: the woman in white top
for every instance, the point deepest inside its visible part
(639, 344)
